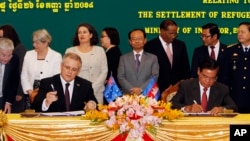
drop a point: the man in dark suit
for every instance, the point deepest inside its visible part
(211, 48)
(175, 68)
(8, 31)
(52, 95)
(239, 69)
(134, 77)
(9, 74)
(204, 94)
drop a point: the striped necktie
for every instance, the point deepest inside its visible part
(137, 62)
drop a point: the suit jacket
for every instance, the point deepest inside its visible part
(113, 57)
(180, 68)
(239, 77)
(20, 51)
(201, 53)
(128, 77)
(11, 79)
(53, 60)
(94, 68)
(189, 90)
(82, 92)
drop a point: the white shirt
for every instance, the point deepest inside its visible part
(164, 44)
(201, 92)
(2, 74)
(216, 50)
(138, 53)
(71, 86)
(245, 47)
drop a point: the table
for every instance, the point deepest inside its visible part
(76, 129)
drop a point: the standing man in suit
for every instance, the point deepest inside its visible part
(9, 31)
(211, 48)
(9, 74)
(52, 95)
(137, 67)
(171, 53)
(204, 94)
(239, 69)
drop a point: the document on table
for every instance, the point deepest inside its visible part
(198, 114)
(69, 113)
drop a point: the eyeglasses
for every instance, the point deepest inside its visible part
(208, 78)
(137, 39)
(71, 69)
(205, 36)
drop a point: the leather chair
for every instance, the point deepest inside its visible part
(168, 94)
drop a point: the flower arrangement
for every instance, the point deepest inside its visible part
(133, 114)
(3, 118)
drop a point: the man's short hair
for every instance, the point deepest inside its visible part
(73, 56)
(213, 29)
(210, 64)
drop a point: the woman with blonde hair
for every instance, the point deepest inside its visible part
(39, 63)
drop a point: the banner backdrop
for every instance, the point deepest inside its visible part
(61, 17)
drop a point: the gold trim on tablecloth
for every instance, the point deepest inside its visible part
(76, 129)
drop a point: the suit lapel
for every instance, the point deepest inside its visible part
(196, 91)
(221, 53)
(173, 52)
(205, 52)
(142, 63)
(212, 96)
(132, 62)
(76, 91)
(58, 86)
(6, 74)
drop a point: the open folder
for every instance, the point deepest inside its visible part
(68, 113)
(209, 114)
(197, 114)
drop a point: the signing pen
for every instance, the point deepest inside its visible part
(52, 86)
(195, 102)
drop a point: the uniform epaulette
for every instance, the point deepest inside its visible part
(231, 45)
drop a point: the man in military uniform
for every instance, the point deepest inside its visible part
(239, 71)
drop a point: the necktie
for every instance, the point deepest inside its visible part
(212, 55)
(67, 99)
(137, 62)
(204, 100)
(1, 80)
(169, 54)
(245, 49)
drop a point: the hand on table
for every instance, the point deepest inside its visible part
(90, 105)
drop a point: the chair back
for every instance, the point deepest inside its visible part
(168, 94)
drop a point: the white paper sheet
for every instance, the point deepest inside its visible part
(69, 113)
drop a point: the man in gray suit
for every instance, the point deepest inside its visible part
(137, 67)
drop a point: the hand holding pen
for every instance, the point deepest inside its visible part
(193, 108)
(52, 86)
(51, 96)
(196, 107)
